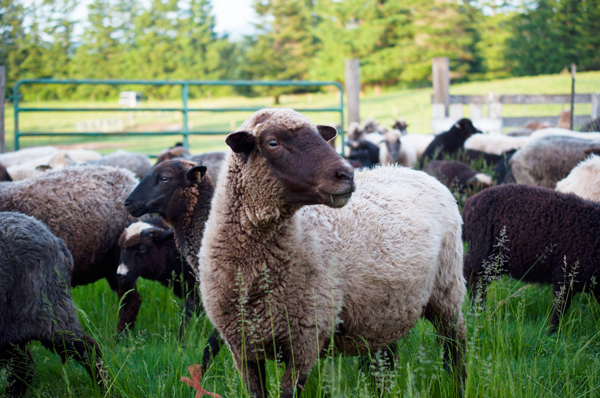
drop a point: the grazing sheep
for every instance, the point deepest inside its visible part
(279, 278)
(148, 250)
(451, 141)
(364, 152)
(504, 174)
(177, 151)
(418, 141)
(55, 161)
(35, 302)
(495, 144)
(4, 176)
(137, 162)
(25, 155)
(541, 232)
(583, 180)
(82, 205)
(393, 151)
(457, 175)
(545, 161)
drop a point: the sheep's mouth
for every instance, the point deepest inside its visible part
(338, 198)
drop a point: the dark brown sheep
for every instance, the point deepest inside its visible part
(540, 233)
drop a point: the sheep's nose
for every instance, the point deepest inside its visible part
(345, 174)
(127, 202)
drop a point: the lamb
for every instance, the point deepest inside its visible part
(393, 151)
(137, 162)
(543, 233)
(4, 176)
(457, 175)
(496, 144)
(25, 155)
(449, 142)
(55, 161)
(148, 250)
(277, 275)
(35, 302)
(583, 180)
(82, 205)
(547, 160)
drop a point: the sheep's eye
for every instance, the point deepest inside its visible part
(272, 143)
(164, 179)
(143, 249)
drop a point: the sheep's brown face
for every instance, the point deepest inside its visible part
(310, 171)
(153, 194)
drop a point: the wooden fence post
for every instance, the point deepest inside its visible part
(573, 72)
(440, 69)
(353, 89)
(2, 88)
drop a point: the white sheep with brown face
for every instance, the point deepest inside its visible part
(279, 276)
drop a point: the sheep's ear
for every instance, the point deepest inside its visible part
(240, 142)
(163, 235)
(327, 132)
(195, 173)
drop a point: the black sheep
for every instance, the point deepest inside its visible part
(35, 301)
(454, 174)
(544, 233)
(148, 250)
(365, 152)
(449, 142)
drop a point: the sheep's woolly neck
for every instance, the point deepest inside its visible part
(187, 214)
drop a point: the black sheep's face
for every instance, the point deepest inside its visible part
(154, 193)
(466, 127)
(140, 245)
(309, 170)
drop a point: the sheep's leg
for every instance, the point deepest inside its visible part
(451, 330)
(21, 369)
(130, 306)
(563, 294)
(255, 377)
(213, 346)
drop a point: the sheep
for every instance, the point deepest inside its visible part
(541, 232)
(470, 155)
(555, 131)
(55, 161)
(355, 132)
(370, 126)
(180, 192)
(450, 141)
(137, 162)
(547, 160)
(393, 151)
(276, 275)
(4, 176)
(35, 302)
(364, 152)
(583, 180)
(176, 151)
(418, 141)
(495, 144)
(454, 174)
(25, 155)
(82, 205)
(400, 125)
(148, 250)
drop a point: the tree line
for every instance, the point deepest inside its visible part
(295, 39)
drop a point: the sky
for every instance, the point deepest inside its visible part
(235, 17)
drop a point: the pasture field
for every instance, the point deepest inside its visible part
(413, 105)
(509, 350)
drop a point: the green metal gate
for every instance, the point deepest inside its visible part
(184, 109)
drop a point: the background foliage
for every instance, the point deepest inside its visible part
(295, 39)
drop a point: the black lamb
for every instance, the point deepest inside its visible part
(543, 235)
(449, 142)
(35, 302)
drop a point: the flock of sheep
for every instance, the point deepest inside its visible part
(235, 236)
